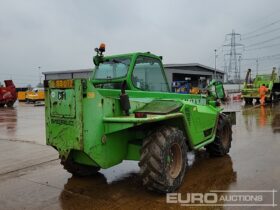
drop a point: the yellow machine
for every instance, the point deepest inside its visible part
(195, 90)
(37, 94)
(22, 95)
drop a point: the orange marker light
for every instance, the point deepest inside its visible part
(102, 47)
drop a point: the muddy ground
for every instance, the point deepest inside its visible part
(31, 176)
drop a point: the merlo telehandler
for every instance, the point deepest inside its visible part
(126, 111)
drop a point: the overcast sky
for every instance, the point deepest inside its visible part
(62, 35)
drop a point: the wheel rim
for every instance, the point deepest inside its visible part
(174, 160)
(225, 137)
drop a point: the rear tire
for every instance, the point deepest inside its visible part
(163, 159)
(222, 143)
(79, 169)
(248, 100)
(271, 98)
(10, 104)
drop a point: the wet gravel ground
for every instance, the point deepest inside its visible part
(31, 176)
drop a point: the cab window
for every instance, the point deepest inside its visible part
(112, 68)
(148, 75)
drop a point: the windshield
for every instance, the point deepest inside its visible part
(148, 75)
(112, 68)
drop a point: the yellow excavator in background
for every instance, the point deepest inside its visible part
(21, 95)
(37, 94)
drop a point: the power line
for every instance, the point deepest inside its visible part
(263, 58)
(270, 65)
(263, 27)
(270, 56)
(262, 19)
(249, 61)
(260, 43)
(268, 68)
(264, 47)
(260, 34)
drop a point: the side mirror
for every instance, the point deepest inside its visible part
(97, 60)
(99, 54)
(219, 90)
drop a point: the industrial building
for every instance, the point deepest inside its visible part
(195, 74)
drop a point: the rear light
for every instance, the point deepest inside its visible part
(140, 115)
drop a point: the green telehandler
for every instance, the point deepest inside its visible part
(251, 87)
(126, 111)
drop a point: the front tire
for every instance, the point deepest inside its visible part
(163, 159)
(248, 100)
(222, 143)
